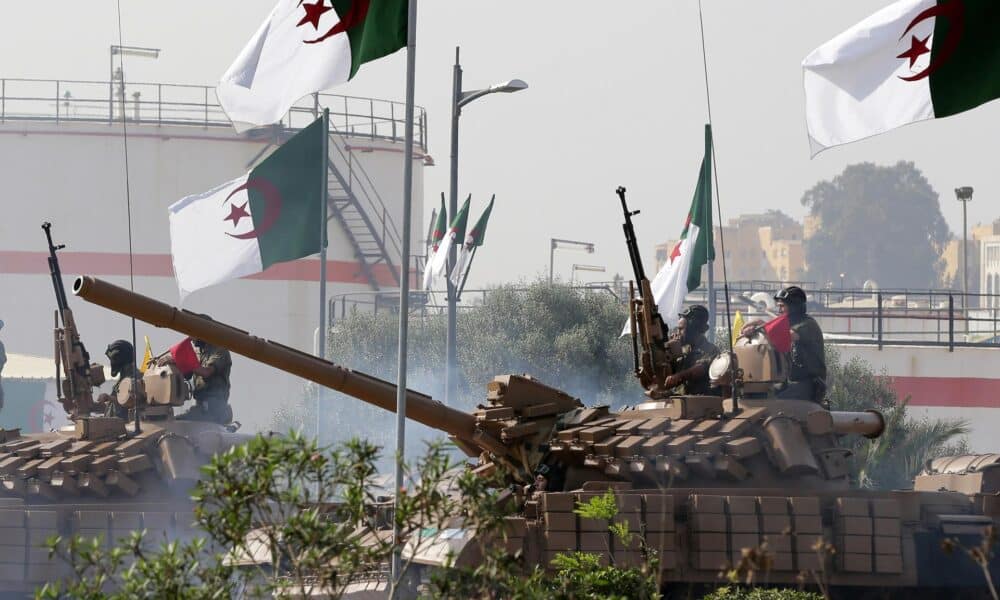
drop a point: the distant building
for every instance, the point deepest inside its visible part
(759, 247)
(988, 276)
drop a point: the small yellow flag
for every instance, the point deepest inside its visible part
(147, 357)
(737, 325)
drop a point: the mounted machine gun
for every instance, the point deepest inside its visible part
(651, 348)
(76, 375)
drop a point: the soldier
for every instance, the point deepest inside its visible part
(3, 361)
(697, 353)
(121, 359)
(210, 385)
(807, 360)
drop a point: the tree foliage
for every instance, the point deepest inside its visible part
(566, 338)
(876, 222)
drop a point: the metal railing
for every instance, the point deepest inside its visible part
(192, 105)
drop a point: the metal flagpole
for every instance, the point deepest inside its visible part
(708, 250)
(468, 268)
(321, 342)
(404, 284)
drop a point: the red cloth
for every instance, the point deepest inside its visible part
(184, 356)
(779, 333)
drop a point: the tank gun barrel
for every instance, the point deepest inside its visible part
(419, 407)
(869, 423)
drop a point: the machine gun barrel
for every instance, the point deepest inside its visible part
(419, 407)
(56, 273)
(630, 240)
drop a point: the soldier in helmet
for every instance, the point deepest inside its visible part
(121, 359)
(807, 360)
(697, 353)
(210, 385)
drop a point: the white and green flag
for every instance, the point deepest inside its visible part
(306, 46)
(475, 238)
(437, 234)
(438, 264)
(911, 61)
(243, 226)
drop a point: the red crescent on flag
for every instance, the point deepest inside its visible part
(354, 16)
(272, 200)
(955, 12)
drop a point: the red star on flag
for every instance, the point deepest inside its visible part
(236, 213)
(313, 13)
(676, 252)
(918, 47)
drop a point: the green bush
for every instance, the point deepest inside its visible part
(760, 593)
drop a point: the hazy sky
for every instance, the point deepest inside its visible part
(616, 98)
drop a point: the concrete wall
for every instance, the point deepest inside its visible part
(74, 176)
(964, 384)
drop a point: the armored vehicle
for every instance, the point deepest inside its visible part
(706, 481)
(102, 475)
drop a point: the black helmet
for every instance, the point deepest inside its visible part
(696, 315)
(120, 353)
(792, 294)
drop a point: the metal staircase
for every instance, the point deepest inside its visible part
(356, 205)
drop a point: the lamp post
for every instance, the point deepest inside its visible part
(556, 243)
(842, 286)
(459, 99)
(592, 268)
(964, 195)
(123, 51)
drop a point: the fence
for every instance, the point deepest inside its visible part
(192, 105)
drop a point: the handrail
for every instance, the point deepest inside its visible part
(76, 100)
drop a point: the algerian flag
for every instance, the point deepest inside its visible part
(436, 236)
(475, 239)
(439, 264)
(272, 214)
(682, 271)
(306, 46)
(913, 60)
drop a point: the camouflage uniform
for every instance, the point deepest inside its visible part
(212, 393)
(113, 409)
(807, 361)
(699, 352)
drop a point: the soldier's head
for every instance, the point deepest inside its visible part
(693, 321)
(120, 355)
(791, 301)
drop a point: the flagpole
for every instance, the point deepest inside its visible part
(321, 337)
(468, 267)
(404, 286)
(708, 249)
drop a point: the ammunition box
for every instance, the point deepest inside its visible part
(558, 502)
(772, 506)
(561, 541)
(854, 544)
(855, 563)
(888, 563)
(702, 503)
(709, 542)
(710, 561)
(742, 505)
(887, 545)
(744, 524)
(886, 527)
(852, 507)
(708, 522)
(771, 523)
(807, 524)
(561, 521)
(804, 505)
(854, 526)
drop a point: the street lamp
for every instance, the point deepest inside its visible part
(964, 195)
(556, 243)
(592, 268)
(120, 75)
(459, 99)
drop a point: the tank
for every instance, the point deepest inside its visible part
(102, 475)
(701, 478)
